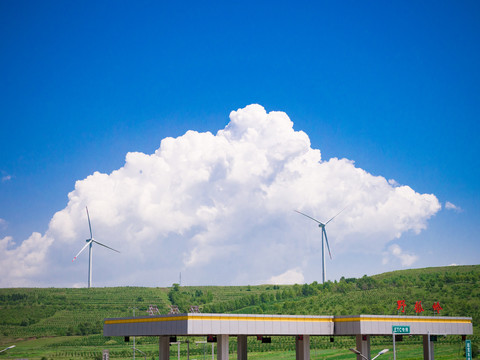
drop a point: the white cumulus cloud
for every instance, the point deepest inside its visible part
(395, 251)
(19, 265)
(219, 208)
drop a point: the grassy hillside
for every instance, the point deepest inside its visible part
(78, 314)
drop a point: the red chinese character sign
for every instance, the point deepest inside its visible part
(418, 307)
(437, 307)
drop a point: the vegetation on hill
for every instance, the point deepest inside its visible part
(53, 312)
(455, 288)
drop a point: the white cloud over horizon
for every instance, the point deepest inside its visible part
(220, 209)
(289, 277)
(395, 251)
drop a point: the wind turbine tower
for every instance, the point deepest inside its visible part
(90, 244)
(324, 232)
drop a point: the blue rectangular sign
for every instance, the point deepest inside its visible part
(468, 349)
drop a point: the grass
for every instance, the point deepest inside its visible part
(73, 347)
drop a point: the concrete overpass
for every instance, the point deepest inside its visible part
(224, 326)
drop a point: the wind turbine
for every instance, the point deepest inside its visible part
(324, 232)
(89, 244)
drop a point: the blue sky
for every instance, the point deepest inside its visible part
(392, 86)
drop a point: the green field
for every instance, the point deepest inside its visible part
(60, 324)
(90, 347)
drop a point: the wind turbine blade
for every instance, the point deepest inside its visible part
(326, 240)
(108, 247)
(309, 217)
(89, 225)
(335, 215)
(88, 243)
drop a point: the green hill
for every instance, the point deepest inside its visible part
(55, 312)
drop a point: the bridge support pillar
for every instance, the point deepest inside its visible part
(164, 347)
(427, 348)
(363, 345)
(302, 347)
(242, 347)
(222, 347)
